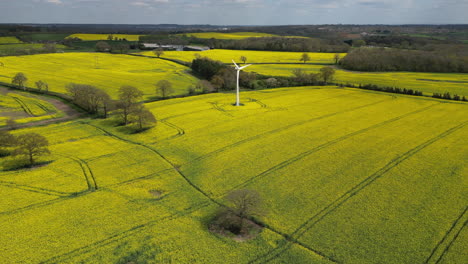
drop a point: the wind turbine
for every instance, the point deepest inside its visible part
(238, 72)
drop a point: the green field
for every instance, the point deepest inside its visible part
(47, 36)
(8, 49)
(24, 108)
(9, 40)
(92, 37)
(227, 56)
(105, 71)
(455, 83)
(332, 192)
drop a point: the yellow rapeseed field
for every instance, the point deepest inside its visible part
(25, 108)
(231, 35)
(94, 37)
(105, 71)
(455, 83)
(9, 40)
(333, 166)
(227, 56)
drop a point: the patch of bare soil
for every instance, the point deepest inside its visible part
(69, 112)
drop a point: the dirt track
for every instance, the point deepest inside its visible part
(69, 112)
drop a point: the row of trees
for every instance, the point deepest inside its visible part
(30, 145)
(223, 77)
(384, 59)
(266, 43)
(27, 49)
(448, 96)
(120, 47)
(21, 80)
(128, 106)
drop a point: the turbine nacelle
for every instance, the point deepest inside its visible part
(240, 68)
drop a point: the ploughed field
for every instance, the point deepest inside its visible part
(105, 71)
(347, 176)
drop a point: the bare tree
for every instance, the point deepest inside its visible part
(122, 48)
(20, 79)
(245, 203)
(142, 116)
(158, 52)
(31, 145)
(102, 46)
(128, 97)
(305, 58)
(243, 59)
(164, 88)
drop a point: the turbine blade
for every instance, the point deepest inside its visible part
(237, 67)
(245, 66)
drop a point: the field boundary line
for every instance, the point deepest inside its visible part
(449, 238)
(309, 223)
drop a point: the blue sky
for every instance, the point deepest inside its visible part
(235, 12)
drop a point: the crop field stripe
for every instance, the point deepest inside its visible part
(444, 245)
(122, 235)
(34, 189)
(198, 189)
(23, 105)
(283, 129)
(303, 228)
(220, 109)
(180, 131)
(87, 172)
(325, 145)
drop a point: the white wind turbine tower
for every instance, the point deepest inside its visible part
(238, 72)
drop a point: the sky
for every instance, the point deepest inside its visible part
(235, 12)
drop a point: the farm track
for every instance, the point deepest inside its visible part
(307, 225)
(199, 190)
(274, 131)
(87, 172)
(180, 131)
(449, 238)
(220, 109)
(23, 105)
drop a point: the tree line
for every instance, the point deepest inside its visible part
(25, 49)
(223, 77)
(384, 59)
(264, 43)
